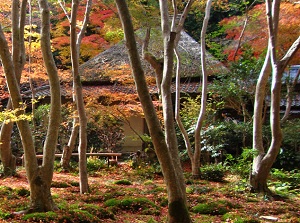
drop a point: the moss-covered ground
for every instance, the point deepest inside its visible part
(122, 194)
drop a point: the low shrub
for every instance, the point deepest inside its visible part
(285, 181)
(197, 189)
(78, 215)
(123, 182)
(241, 165)
(132, 204)
(213, 208)
(98, 211)
(163, 201)
(93, 165)
(148, 171)
(74, 183)
(213, 172)
(57, 184)
(112, 202)
(148, 182)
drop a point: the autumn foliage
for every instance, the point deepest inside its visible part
(94, 40)
(256, 32)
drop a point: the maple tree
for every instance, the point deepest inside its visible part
(35, 68)
(256, 36)
(92, 43)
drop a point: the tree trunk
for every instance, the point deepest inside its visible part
(258, 178)
(40, 193)
(75, 46)
(26, 137)
(167, 154)
(39, 177)
(66, 157)
(201, 117)
(262, 162)
(68, 149)
(7, 158)
(18, 60)
(258, 181)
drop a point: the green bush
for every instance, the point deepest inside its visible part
(112, 202)
(123, 182)
(197, 189)
(213, 208)
(93, 165)
(57, 184)
(213, 172)
(97, 211)
(145, 172)
(287, 181)
(241, 165)
(78, 215)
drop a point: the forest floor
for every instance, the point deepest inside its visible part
(125, 195)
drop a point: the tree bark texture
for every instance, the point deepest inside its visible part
(18, 57)
(201, 117)
(84, 188)
(169, 160)
(65, 158)
(263, 161)
(7, 158)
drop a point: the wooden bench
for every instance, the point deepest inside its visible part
(110, 157)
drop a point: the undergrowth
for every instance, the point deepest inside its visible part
(123, 194)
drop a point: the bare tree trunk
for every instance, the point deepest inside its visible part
(7, 158)
(68, 149)
(75, 47)
(39, 177)
(18, 59)
(194, 156)
(201, 118)
(167, 155)
(65, 158)
(263, 162)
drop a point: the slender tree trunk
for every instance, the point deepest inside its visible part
(39, 177)
(263, 162)
(7, 158)
(169, 160)
(18, 59)
(68, 149)
(201, 118)
(77, 89)
(65, 158)
(84, 188)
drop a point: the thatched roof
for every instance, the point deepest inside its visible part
(115, 60)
